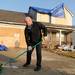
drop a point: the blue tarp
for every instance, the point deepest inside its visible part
(41, 10)
(57, 11)
(3, 48)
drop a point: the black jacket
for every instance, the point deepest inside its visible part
(34, 35)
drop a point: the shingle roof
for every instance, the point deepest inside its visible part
(12, 16)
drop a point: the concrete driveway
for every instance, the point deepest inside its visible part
(52, 64)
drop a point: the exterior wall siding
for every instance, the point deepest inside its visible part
(43, 17)
(12, 35)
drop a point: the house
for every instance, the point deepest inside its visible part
(58, 21)
(12, 28)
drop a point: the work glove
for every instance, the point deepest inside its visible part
(29, 48)
(45, 38)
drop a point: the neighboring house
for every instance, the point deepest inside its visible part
(58, 22)
(12, 28)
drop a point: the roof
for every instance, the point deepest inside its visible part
(57, 11)
(12, 16)
(64, 27)
(17, 18)
(41, 10)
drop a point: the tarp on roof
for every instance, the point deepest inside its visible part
(41, 10)
(57, 11)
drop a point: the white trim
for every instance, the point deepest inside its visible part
(68, 10)
(7, 22)
(12, 26)
(59, 27)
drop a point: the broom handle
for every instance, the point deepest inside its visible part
(20, 54)
(27, 50)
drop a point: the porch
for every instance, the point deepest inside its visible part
(57, 35)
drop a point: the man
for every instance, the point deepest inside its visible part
(33, 35)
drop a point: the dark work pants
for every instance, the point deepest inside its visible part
(38, 55)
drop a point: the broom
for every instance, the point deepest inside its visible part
(14, 59)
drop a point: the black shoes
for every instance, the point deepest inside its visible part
(25, 65)
(37, 69)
